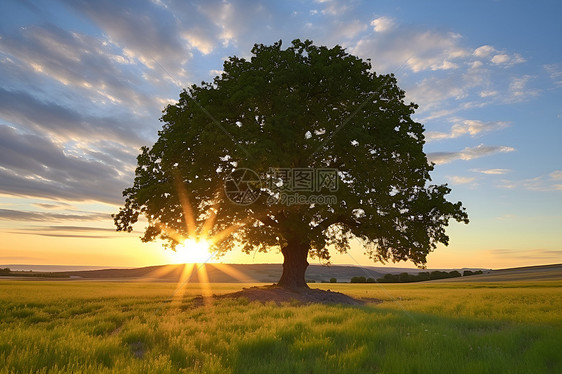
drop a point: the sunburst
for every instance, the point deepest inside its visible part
(193, 250)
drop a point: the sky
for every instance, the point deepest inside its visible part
(83, 85)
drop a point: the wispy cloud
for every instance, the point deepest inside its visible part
(90, 66)
(556, 175)
(469, 153)
(82, 232)
(334, 7)
(541, 183)
(61, 235)
(555, 72)
(22, 215)
(34, 165)
(419, 50)
(491, 171)
(519, 91)
(58, 205)
(64, 123)
(461, 180)
(144, 30)
(466, 127)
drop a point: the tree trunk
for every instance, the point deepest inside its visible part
(295, 262)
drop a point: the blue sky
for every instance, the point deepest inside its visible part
(83, 84)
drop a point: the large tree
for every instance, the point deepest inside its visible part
(308, 122)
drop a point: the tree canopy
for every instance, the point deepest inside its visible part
(307, 116)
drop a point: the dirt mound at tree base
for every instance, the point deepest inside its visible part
(281, 295)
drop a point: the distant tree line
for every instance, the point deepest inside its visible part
(406, 277)
(424, 276)
(30, 273)
(419, 277)
(466, 273)
(362, 280)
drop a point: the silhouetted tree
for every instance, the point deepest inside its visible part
(301, 108)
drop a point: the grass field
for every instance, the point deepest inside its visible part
(97, 327)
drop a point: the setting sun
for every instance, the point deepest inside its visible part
(192, 251)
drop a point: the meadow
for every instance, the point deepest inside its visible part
(136, 327)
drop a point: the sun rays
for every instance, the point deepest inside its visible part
(192, 253)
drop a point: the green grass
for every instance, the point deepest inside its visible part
(104, 327)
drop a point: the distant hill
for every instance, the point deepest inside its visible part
(270, 273)
(527, 273)
(221, 273)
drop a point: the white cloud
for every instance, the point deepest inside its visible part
(415, 49)
(484, 51)
(504, 59)
(215, 73)
(491, 171)
(556, 175)
(500, 59)
(496, 57)
(488, 93)
(446, 65)
(469, 153)
(461, 180)
(200, 39)
(382, 24)
(466, 127)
